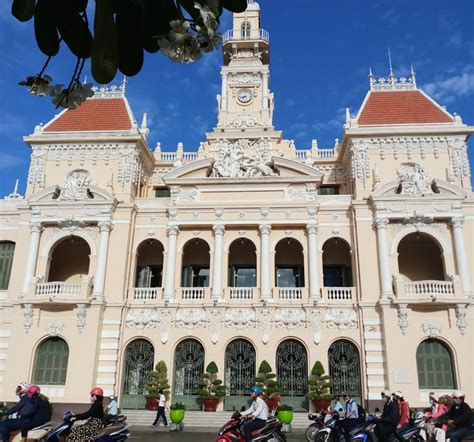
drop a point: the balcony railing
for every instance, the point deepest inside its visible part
(193, 293)
(64, 290)
(241, 292)
(254, 34)
(147, 293)
(290, 293)
(427, 288)
(338, 293)
(302, 154)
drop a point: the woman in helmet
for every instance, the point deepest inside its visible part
(40, 413)
(258, 410)
(94, 416)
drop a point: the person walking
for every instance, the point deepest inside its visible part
(161, 399)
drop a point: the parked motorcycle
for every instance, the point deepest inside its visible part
(117, 430)
(231, 431)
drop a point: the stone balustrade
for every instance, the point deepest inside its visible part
(147, 293)
(338, 293)
(241, 293)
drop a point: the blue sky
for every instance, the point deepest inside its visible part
(321, 51)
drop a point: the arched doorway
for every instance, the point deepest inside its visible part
(149, 272)
(337, 263)
(420, 258)
(435, 366)
(289, 268)
(50, 367)
(139, 359)
(239, 373)
(292, 373)
(242, 271)
(69, 260)
(188, 369)
(195, 264)
(344, 369)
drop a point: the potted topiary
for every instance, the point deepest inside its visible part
(266, 380)
(319, 384)
(285, 414)
(158, 380)
(177, 412)
(211, 388)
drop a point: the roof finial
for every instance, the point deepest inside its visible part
(412, 75)
(371, 77)
(124, 84)
(391, 76)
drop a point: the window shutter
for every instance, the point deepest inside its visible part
(51, 362)
(7, 249)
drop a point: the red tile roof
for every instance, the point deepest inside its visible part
(400, 107)
(109, 114)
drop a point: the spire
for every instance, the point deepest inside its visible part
(412, 75)
(14, 195)
(391, 77)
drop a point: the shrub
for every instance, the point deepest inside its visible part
(158, 380)
(319, 383)
(266, 380)
(177, 406)
(285, 407)
(211, 386)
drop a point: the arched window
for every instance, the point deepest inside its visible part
(70, 260)
(196, 262)
(246, 29)
(51, 362)
(289, 263)
(435, 365)
(242, 264)
(149, 272)
(337, 263)
(7, 249)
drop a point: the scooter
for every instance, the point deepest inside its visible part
(117, 430)
(363, 431)
(231, 431)
(37, 433)
(317, 424)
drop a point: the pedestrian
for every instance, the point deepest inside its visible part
(161, 399)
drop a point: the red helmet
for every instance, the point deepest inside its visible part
(34, 389)
(97, 391)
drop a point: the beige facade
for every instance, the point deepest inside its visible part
(245, 246)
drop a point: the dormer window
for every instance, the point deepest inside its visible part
(245, 29)
(328, 190)
(162, 192)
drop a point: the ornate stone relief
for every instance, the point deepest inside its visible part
(341, 318)
(129, 165)
(178, 195)
(432, 330)
(314, 320)
(54, 329)
(215, 318)
(243, 120)
(414, 180)
(28, 316)
(243, 79)
(360, 160)
(458, 158)
(38, 160)
(461, 322)
(290, 317)
(166, 317)
(81, 317)
(240, 318)
(265, 317)
(235, 160)
(190, 317)
(140, 318)
(308, 194)
(76, 186)
(403, 317)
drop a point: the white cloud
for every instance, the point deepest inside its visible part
(450, 88)
(7, 160)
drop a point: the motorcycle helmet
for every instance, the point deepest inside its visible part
(435, 396)
(398, 394)
(97, 391)
(34, 389)
(22, 388)
(256, 389)
(458, 394)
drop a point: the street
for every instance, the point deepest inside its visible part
(190, 435)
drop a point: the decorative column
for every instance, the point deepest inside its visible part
(312, 230)
(384, 262)
(224, 91)
(460, 251)
(36, 228)
(265, 291)
(219, 230)
(99, 281)
(172, 232)
(265, 76)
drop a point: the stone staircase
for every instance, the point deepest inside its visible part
(201, 419)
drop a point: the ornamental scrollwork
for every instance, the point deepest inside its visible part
(240, 318)
(341, 318)
(76, 186)
(413, 180)
(290, 318)
(140, 318)
(190, 317)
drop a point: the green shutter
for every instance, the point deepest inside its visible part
(231, 277)
(187, 277)
(435, 367)
(7, 249)
(51, 362)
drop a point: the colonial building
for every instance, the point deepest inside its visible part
(246, 249)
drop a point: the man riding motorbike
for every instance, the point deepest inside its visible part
(23, 406)
(39, 415)
(388, 422)
(351, 415)
(259, 410)
(459, 418)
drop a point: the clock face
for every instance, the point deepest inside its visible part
(244, 96)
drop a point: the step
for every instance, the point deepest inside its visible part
(201, 419)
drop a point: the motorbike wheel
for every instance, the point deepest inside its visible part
(279, 436)
(310, 433)
(321, 437)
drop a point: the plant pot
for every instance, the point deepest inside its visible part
(152, 403)
(285, 417)
(177, 416)
(210, 404)
(320, 404)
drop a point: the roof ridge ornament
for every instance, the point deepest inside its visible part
(392, 83)
(113, 91)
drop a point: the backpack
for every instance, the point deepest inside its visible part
(361, 412)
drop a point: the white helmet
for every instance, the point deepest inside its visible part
(458, 394)
(434, 396)
(398, 394)
(22, 388)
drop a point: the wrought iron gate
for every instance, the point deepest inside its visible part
(139, 357)
(292, 373)
(239, 373)
(188, 370)
(344, 369)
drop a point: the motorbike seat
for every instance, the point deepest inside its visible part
(110, 430)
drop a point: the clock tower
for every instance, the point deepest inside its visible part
(245, 103)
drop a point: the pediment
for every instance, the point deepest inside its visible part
(56, 194)
(435, 188)
(278, 169)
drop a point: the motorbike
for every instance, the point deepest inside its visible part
(116, 430)
(315, 426)
(231, 431)
(37, 433)
(362, 432)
